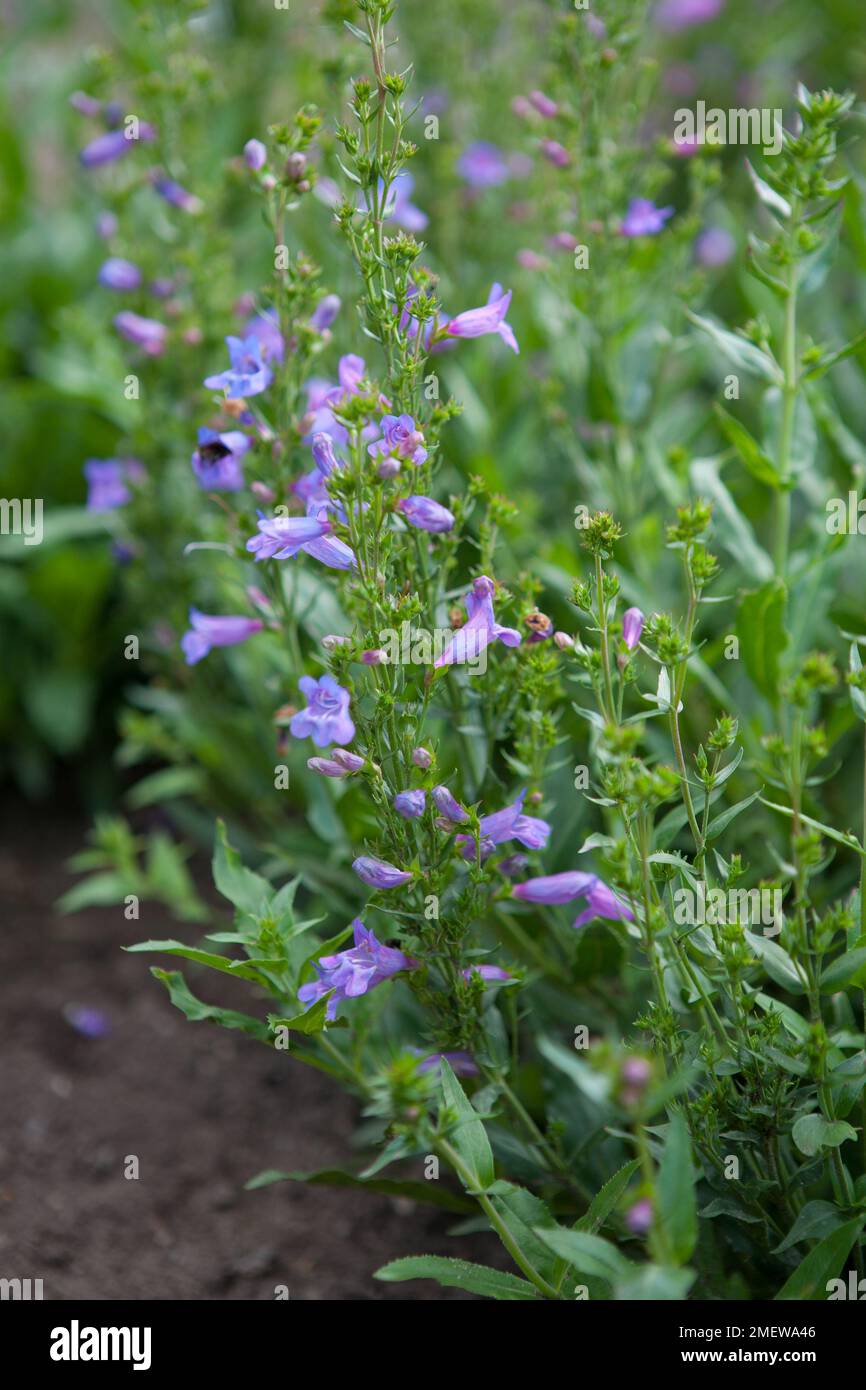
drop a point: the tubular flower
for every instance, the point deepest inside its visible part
(481, 628)
(474, 323)
(207, 631)
(248, 374)
(118, 274)
(410, 805)
(217, 460)
(378, 873)
(355, 971)
(107, 481)
(508, 824)
(425, 514)
(148, 334)
(632, 627)
(400, 437)
(643, 218)
(602, 902)
(326, 719)
(554, 888)
(448, 806)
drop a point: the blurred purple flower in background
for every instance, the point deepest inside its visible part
(714, 247)
(639, 1217)
(555, 153)
(461, 1063)
(255, 155)
(117, 274)
(107, 481)
(176, 194)
(217, 460)
(325, 312)
(113, 145)
(483, 165)
(266, 329)
(207, 631)
(681, 14)
(643, 218)
(90, 1023)
(148, 334)
(326, 719)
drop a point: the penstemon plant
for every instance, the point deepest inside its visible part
(667, 1088)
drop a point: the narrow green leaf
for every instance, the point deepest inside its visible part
(813, 1274)
(458, 1274)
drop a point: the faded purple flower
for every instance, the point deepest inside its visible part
(148, 334)
(207, 631)
(117, 274)
(90, 1023)
(448, 806)
(400, 208)
(265, 327)
(474, 323)
(632, 627)
(555, 153)
(421, 758)
(325, 312)
(378, 873)
(107, 482)
(248, 374)
(461, 1063)
(425, 514)
(255, 155)
(483, 165)
(681, 14)
(352, 762)
(714, 247)
(177, 195)
(643, 218)
(410, 805)
(350, 373)
(481, 628)
(355, 971)
(106, 225)
(639, 1217)
(543, 104)
(217, 460)
(326, 719)
(113, 145)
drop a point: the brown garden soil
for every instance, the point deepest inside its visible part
(202, 1109)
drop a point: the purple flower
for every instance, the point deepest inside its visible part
(207, 631)
(342, 763)
(639, 1217)
(643, 218)
(355, 971)
(255, 155)
(266, 328)
(410, 805)
(217, 460)
(350, 373)
(177, 195)
(555, 153)
(487, 972)
(106, 225)
(474, 323)
(508, 824)
(148, 334)
(483, 165)
(107, 481)
(636, 1071)
(248, 374)
(602, 902)
(401, 437)
(281, 537)
(399, 207)
(325, 312)
(326, 719)
(543, 104)
(352, 762)
(448, 806)
(85, 104)
(90, 1023)
(377, 873)
(324, 457)
(425, 514)
(714, 247)
(481, 628)
(681, 14)
(632, 627)
(555, 888)
(421, 758)
(113, 145)
(461, 1063)
(117, 274)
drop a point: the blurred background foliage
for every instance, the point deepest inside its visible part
(609, 403)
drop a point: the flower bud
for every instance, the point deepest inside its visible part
(421, 758)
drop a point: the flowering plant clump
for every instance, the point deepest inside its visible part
(591, 860)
